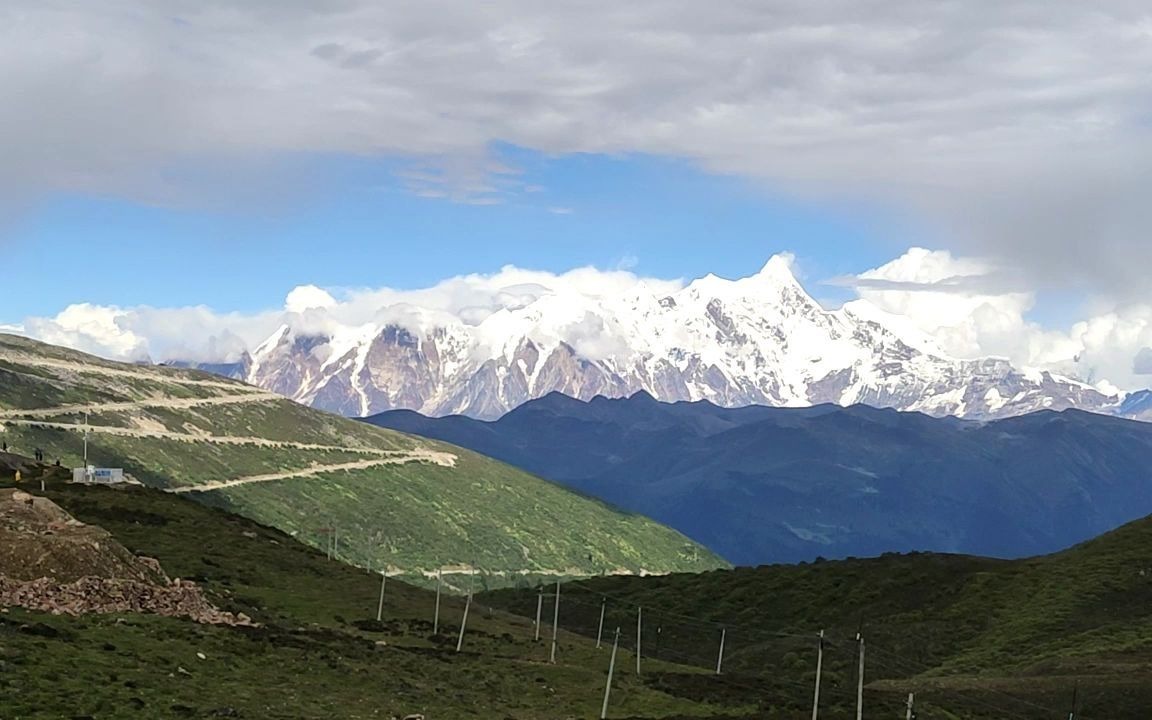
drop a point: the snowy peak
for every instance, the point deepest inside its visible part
(756, 340)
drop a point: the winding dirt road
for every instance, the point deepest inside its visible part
(420, 455)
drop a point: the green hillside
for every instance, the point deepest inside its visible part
(972, 637)
(379, 497)
(318, 653)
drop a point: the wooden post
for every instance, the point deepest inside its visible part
(819, 670)
(720, 657)
(555, 623)
(436, 617)
(860, 681)
(539, 609)
(639, 629)
(380, 606)
(911, 699)
(611, 670)
(600, 627)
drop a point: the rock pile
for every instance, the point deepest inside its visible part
(180, 598)
(51, 562)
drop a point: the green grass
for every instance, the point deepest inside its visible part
(959, 631)
(319, 654)
(479, 512)
(415, 516)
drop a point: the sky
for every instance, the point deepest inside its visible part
(173, 170)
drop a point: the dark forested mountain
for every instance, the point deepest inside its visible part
(759, 484)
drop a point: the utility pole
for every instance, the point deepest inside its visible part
(600, 627)
(639, 628)
(436, 617)
(380, 607)
(911, 700)
(819, 670)
(539, 609)
(555, 623)
(720, 657)
(87, 476)
(611, 670)
(860, 681)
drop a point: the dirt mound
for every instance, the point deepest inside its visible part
(39, 539)
(52, 562)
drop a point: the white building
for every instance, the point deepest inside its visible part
(94, 475)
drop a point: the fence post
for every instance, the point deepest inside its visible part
(436, 617)
(464, 622)
(380, 606)
(600, 627)
(720, 657)
(860, 681)
(539, 609)
(611, 670)
(555, 623)
(639, 630)
(819, 670)
(911, 699)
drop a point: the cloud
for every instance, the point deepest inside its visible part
(1142, 363)
(954, 300)
(204, 335)
(966, 305)
(1025, 128)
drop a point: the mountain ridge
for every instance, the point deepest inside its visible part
(760, 484)
(757, 340)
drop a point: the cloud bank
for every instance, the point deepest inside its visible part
(953, 299)
(1022, 127)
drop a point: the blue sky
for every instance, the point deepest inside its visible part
(366, 228)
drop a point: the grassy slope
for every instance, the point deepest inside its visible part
(413, 516)
(320, 653)
(1005, 638)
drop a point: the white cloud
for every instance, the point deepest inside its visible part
(307, 297)
(952, 299)
(201, 334)
(956, 300)
(1025, 124)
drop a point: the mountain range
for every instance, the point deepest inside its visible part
(764, 485)
(760, 340)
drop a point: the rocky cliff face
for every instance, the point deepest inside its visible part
(759, 340)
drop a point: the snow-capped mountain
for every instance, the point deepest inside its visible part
(758, 340)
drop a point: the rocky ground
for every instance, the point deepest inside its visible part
(51, 562)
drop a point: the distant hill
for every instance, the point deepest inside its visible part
(961, 632)
(761, 485)
(378, 497)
